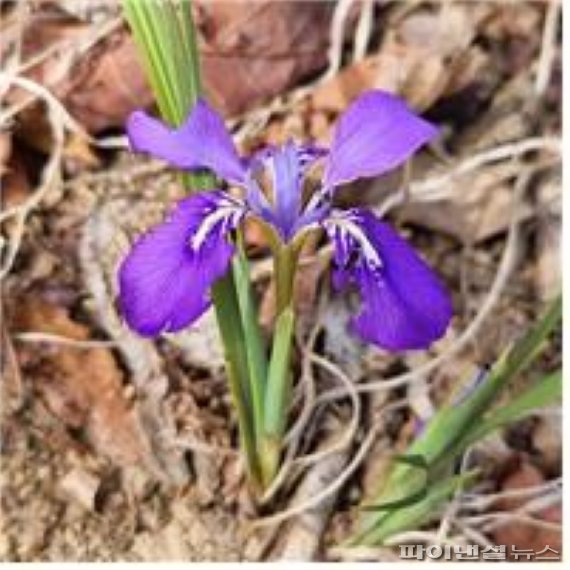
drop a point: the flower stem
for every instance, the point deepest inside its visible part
(277, 396)
(279, 378)
(285, 263)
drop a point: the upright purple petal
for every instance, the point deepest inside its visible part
(201, 142)
(285, 166)
(375, 134)
(286, 174)
(165, 279)
(403, 304)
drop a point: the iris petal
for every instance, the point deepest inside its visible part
(403, 304)
(201, 142)
(164, 281)
(377, 133)
(286, 165)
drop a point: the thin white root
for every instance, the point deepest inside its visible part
(50, 176)
(363, 30)
(33, 336)
(346, 440)
(293, 437)
(437, 187)
(547, 49)
(338, 482)
(337, 33)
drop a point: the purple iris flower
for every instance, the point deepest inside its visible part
(165, 279)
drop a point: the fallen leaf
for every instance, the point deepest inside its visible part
(16, 185)
(83, 387)
(474, 211)
(423, 58)
(250, 51)
(524, 535)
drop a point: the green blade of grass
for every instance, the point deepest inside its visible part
(277, 395)
(413, 515)
(545, 392)
(254, 345)
(452, 428)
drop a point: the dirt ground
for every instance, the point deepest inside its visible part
(118, 448)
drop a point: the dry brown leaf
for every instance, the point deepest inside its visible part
(521, 535)
(426, 56)
(475, 210)
(16, 186)
(250, 51)
(83, 387)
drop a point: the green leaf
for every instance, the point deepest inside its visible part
(277, 396)
(545, 392)
(418, 462)
(413, 515)
(254, 345)
(278, 378)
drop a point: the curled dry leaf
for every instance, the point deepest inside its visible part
(83, 387)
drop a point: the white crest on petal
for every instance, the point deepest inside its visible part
(227, 212)
(343, 227)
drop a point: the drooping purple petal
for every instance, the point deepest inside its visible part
(165, 279)
(403, 304)
(377, 133)
(201, 142)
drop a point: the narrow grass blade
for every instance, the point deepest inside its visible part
(416, 514)
(277, 395)
(457, 425)
(545, 392)
(254, 344)
(278, 378)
